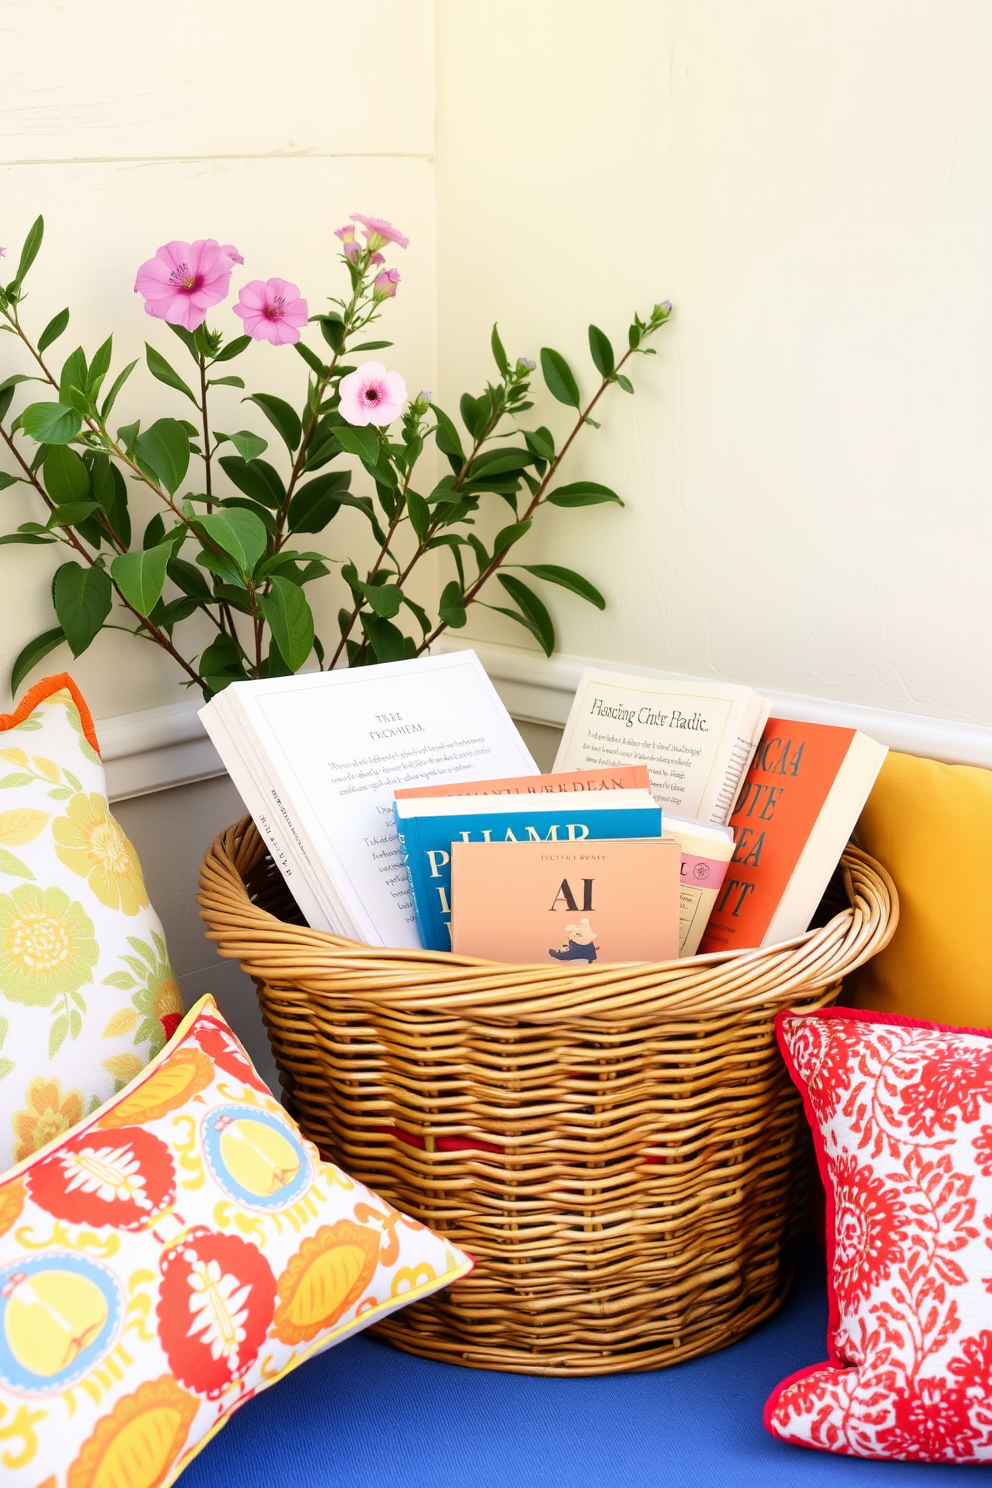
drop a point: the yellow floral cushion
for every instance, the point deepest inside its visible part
(176, 1254)
(87, 995)
(931, 826)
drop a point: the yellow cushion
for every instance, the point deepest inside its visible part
(930, 825)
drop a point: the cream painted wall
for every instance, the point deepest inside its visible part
(806, 462)
(104, 127)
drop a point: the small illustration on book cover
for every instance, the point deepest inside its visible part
(580, 945)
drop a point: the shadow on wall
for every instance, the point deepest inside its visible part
(171, 831)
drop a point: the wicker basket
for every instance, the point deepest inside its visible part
(620, 1148)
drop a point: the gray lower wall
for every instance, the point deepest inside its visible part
(171, 831)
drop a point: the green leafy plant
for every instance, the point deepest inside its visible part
(230, 537)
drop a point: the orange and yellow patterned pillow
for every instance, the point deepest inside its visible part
(86, 991)
(174, 1255)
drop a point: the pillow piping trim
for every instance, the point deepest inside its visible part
(849, 1015)
(44, 689)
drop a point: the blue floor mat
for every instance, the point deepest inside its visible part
(367, 1416)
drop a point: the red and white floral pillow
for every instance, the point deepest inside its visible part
(901, 1113)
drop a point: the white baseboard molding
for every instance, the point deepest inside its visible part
(159, 748)
(540, 689)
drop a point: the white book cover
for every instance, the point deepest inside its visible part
(333, 746)
(696, 738)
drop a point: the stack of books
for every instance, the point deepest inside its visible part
(404, 809)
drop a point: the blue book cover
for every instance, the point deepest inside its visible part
(427, 827)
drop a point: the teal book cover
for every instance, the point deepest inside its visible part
(427, 828)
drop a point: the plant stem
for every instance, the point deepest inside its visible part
(535, 502)
(157, 635)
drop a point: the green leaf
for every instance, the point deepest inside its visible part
(290, 621)
(233, 348)
(262, 512)
(108, 488)
(384, 599)
(33, 539)
(510, 535)
(624, 382)
(187, 577)
(332, 330)
(164, 448)
(66, 477)
(318, 502)
(56, 1035)
(419, 513)
(99, 367)
(119, 382)
(7, 389)
(82, 599)
(386, 639)
(13, 865)
(423, 619)
(159, 368)
(475, 413)
(451, 608)
(140, 576)
(258, 480)
(14, 782)
(74, 374)
(186, 337)
(533, 609)
(499, 354)
(361, 442)
(29, 252)
(279, 414)
(498, 461)
(582, 493)
(249, 446)
(237, 382)
(241, 534)
(558, 376)
(222, 662)
(446, 436)
(541, 443)
(72, 514)
(313, 361)
(53, 330)
(567, 579)
(51, 423)
(34, 652)
(602, 351)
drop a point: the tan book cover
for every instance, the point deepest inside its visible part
(575, 903)
(706, 854)
(623, 777)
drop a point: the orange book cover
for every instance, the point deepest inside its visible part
(571, 902)
(800, 801)
(624, 777)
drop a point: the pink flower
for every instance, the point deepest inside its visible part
(183, 280)
(346, 234)
(272, 310)
(379, 232)
(376, 258)
(371, 395)
(384, 287)
(352, 252)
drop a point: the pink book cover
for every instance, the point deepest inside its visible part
(624, 777)
(571, 902)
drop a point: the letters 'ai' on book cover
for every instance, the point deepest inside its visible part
(799, 804)
(317, 757)
(622, 777)
(427, 829)
(697, 738)
(571, 902)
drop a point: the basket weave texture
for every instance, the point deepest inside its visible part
(619, 1148)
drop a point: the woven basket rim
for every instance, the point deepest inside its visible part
(274, 950)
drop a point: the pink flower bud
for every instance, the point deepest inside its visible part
(384, 287)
